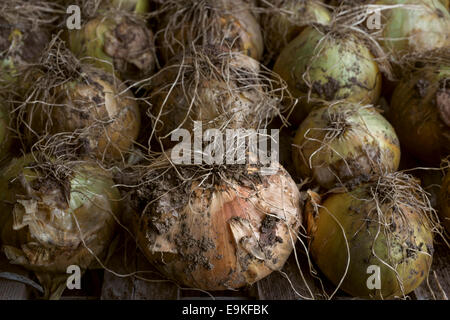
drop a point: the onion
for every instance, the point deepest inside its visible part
(417, 27)
(335, 66)
(220, 89)
(116, 42)
(215, 229)
(137, 6)
(80, 110)
(444, 203)
(228, 23)
(283, 20)
(420, 113)
(56, 215)
(345, 143)
(387, 224)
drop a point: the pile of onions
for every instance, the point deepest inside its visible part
(227, 23)
(325, 64)
(78, 109)
(116, 41)
(416, 27)
(283, 20)
(54, 216)
(420, 113)
(215, 230)
(444, 203)
(345, 144)
(385, 224)
(222, 89)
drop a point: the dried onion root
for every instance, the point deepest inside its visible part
(222, 89)
(214, 228)
(387, 223)
(444, 204)
(55, 215)
(345, 144)
(76, 110)
(228, 23)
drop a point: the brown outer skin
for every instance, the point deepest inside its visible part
(417, 120)
(444, 204)
(218, 213)
(240, 29)
(329, 250)
(97, 102)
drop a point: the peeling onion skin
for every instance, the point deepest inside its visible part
(414, 31)
(444, 204)
(211, 243)
(39, 226)
(230, 25)
(345, 70)
(365, 143)
(420, 113)
(280, 27)
(94, 112)
(329, 250)
(116, 43)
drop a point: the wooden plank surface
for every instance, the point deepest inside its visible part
(437, 286)
(10, 289)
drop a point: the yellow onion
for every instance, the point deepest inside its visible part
(116, 42)
(217, 230)
(78, 110)
(345, 143)
(220, 89)
(56, 215)
(444, 203)
(378, 230)
(420, 113)
(228, 23)
(328, 65)
(415, 28)
(283, 20)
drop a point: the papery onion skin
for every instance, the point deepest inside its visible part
(99, 112)
(282, 26)
(115, 42)
(409, 30)
(344, 69)
(364, 144)
(225, 236)
(43, 216)
(229, 23)
(444, 204)
(410, 253)
(420, 113)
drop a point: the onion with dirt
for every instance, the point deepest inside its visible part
(220, 89)
(386, 225)
(345, 144)
(228, 23)
(116, 42)
(413, 27)
(214, 228)
(324, 63)
(77, 110)
(420, 112)
(283, 20)
(55, 215)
